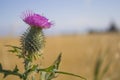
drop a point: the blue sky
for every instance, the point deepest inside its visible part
(67, 15)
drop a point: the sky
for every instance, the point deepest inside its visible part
(67, 15)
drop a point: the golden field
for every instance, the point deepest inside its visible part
(79, 54)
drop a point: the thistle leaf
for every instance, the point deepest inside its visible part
(16, 69)
(57, 62)
(55, 65)
(5, 75)
(61, 72)
(13, 46)
(34, 68)
(50, 72)
(14, 49)
(0, 66)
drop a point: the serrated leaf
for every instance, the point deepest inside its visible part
(0, 66)
(34, 68)
(16, 69)
(50, 71)
(14, 49)
(5, 75)
(55, 65)
(61, 72)
(13, 46)
(57, 62)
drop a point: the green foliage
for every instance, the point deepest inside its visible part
(0, 67)
(50, 72)
(106, 68)
(15, 49)
(98, 65)
(45, 73)
(99, 72)
(15, 72)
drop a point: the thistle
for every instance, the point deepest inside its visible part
(32, 40)
(32, 43)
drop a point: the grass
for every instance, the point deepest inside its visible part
(80, 53)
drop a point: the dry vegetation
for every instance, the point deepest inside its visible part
(79, 54)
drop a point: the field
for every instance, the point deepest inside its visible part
(79, 54)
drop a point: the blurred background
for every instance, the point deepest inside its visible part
(83, 30)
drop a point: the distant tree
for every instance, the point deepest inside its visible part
(91, 31)
(113, 27)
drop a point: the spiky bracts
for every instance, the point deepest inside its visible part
(32, 42)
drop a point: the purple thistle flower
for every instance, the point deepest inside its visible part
(36, 20)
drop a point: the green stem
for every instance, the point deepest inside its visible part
(29, 69)
(27, 65)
